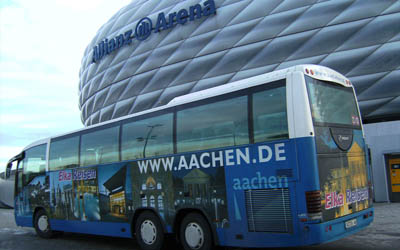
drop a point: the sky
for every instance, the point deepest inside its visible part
(41, 46)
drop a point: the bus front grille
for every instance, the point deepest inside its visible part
(269, 210)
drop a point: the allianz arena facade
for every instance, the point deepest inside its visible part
(152, 51)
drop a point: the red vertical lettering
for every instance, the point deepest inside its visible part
(328, 201)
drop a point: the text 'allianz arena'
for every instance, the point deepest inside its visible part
(152, 51)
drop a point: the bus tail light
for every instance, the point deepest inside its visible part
(368, 215)
(314, 206)
(328, 228)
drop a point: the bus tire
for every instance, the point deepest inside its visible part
(195, 233)
(42, 225)
(149, 231)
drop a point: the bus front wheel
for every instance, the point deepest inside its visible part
(195, 233)
(42, 225)
(149, 231)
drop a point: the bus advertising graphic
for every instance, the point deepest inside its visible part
(343, 179)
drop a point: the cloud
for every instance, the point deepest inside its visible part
(41, 47)
(5, 153)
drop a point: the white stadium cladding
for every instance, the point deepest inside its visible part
(152, 51)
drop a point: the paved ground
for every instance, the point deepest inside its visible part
(384, 233)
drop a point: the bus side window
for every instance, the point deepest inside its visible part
(218, 124)
(64, 153)
(269, 115)
(34, 163)
(100, 146)
(147, 138)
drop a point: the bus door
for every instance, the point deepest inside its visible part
(31, 184)
(17, 163)
(19, 198)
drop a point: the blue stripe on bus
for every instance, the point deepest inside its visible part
(98, 228)
(24, 221)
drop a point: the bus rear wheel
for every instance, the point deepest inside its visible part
(42, 225)
(195, 233)
(149, 231)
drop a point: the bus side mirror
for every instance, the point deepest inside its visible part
(8, 170)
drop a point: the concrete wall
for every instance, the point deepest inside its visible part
(382, 138)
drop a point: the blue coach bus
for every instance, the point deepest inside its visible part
(274, 160)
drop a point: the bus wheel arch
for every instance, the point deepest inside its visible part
(41, 223)
(194, 222)
(148, 229)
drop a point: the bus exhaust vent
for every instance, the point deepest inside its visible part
(268, 210)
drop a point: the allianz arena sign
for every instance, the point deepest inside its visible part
(144, 28)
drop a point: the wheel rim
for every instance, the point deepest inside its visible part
(148, 232)
(194, 235)
(43, 223)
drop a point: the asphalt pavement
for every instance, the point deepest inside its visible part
(383, 233)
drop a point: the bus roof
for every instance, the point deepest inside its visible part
(314, 71)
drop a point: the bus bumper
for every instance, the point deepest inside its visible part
(336, 229)
(305, 234)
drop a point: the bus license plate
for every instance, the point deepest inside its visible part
(351, 223)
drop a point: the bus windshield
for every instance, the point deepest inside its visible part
(332, 104)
